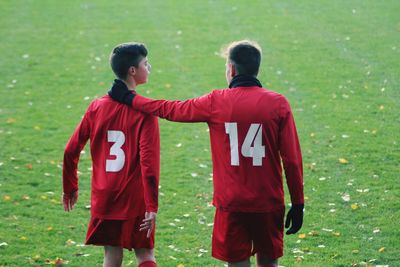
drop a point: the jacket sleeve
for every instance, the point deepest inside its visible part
(149, 147)
(192, 110)
(291, 154)
(72, 153)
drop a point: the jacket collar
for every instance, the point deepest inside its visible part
(244, 81)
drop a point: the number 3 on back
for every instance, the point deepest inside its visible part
(253, 136)
(115, 165)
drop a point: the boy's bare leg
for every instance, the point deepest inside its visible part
(264, 261)
(112, 256)
(145, 256)
(245, 263)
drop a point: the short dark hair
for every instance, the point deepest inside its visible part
(125, 56)
(245, 56)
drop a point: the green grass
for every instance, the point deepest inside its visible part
(336, 61)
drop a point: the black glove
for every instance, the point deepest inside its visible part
(119, 92)
(294, 217)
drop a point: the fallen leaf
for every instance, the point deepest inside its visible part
(59, 262)
(354, 206)
(70, 242)
(79, 254)
(382, 249)
(343, 161)
(313, 233)
(11, 120)
(297, 251)
(36, 257)
(6, 198)
(346, 197)
(302, 236)
(29, 166)
(23, 238)
(334, 256)
(376, 230)
(180, 265)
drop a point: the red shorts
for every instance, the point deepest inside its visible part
(239, 235)
(119, 233)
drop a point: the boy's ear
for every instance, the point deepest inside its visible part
(232, 70)
(132, 70)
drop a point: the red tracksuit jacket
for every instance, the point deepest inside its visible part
(252, 131)
(125, 159)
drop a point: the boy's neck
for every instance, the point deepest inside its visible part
(130, 83)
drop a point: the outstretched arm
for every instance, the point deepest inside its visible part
(192, 110)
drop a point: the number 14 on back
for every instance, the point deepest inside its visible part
(253, 136)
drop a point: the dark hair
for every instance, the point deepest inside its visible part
(245, 56)
(125, 56)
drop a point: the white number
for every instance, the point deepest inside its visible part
(253, 136)
(257, 152)
(115, 165)
(231, 130)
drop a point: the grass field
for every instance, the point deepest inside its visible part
(336, 61)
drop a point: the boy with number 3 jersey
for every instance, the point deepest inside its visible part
(125, 149)
(252, 130)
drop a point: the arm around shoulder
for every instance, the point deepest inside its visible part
(192, 110)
